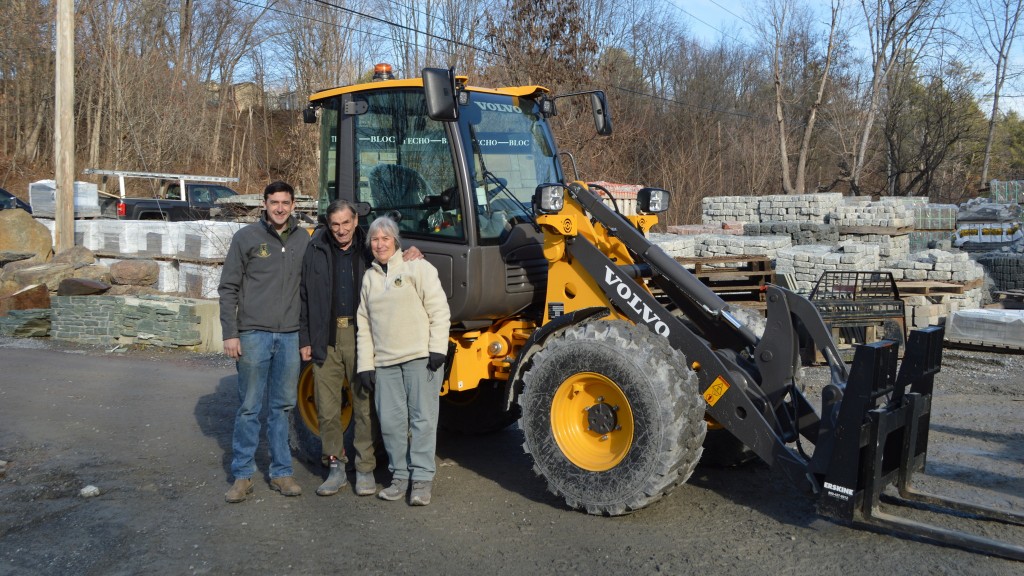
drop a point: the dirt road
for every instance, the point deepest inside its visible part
(152, 430)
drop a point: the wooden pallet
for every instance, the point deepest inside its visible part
(1009, 299)
(981, 345)
(735, 278)
(881, 230)
(929, 287)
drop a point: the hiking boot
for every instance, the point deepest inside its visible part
(336, 480)
(286, 485)
(395, 491)
(366, 484)
(420, 493)
(239, 490)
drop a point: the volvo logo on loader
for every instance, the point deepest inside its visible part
(650, 317)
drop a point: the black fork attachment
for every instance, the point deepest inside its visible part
(881, 438)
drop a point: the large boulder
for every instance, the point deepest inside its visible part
(19, 232)
(81, 287)
(77, 256)
(9, 257)
(135, 272)
(97, 272)
(28, 298)
(49, 274)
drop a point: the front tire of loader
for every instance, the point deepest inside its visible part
(305, 425)
(612, 416)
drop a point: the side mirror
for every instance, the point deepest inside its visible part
(602, 118)
(309, 115)
(439, 91)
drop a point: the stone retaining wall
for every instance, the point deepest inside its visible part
(126, 320)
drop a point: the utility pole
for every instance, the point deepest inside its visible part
(64, 135)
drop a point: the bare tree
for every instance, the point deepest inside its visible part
(995, 26)
(895, 28)
(800, 76)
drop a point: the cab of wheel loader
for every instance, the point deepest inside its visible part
(460, 188)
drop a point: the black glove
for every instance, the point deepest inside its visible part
(435, 361)
(367, 380)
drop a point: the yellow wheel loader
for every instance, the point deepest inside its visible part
(620, 366)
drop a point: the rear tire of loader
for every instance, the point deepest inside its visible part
(477, 411)
(612, 416)
(305, 425)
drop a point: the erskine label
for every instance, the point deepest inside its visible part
(633, 301)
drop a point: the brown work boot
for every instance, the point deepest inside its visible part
(286, 485)
(239, 490)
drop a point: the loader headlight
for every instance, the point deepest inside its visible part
(651, 200)
(548, 198)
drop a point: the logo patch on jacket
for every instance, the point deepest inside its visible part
(398, 282)
(263, 252)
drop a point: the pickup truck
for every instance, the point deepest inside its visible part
(169, 204)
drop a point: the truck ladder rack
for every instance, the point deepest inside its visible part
(885, 445)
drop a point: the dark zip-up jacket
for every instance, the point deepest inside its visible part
(316, 292)
(259, 285)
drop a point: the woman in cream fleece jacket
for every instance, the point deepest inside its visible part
(401, 343)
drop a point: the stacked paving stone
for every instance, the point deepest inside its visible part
(800, 233)
(202, 239)
(895, 215)
(939, 266)
(108, 320)
(717, 245)
(676, 246)
(797, 207)
(806, 263)
(934, 225)
(883, 214)
(730, 209)
(728, 227)
(1006, 268)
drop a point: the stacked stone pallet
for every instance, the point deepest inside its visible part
(717, 245)
(891, 219)
(800, 233)
(798, 207)
(203, 239)
(676, 246)
(1006, 268)
(728, 227)
(934, 225)
(939, 266)
(806, 263)
(730, 209)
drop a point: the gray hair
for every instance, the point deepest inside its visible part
(387, 226)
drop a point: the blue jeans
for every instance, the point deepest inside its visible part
(269, 366)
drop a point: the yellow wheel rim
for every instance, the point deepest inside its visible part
(592, 421)
(306, 402)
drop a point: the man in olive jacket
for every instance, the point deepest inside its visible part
(259, 316)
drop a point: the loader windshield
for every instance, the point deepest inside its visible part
(510, 151)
